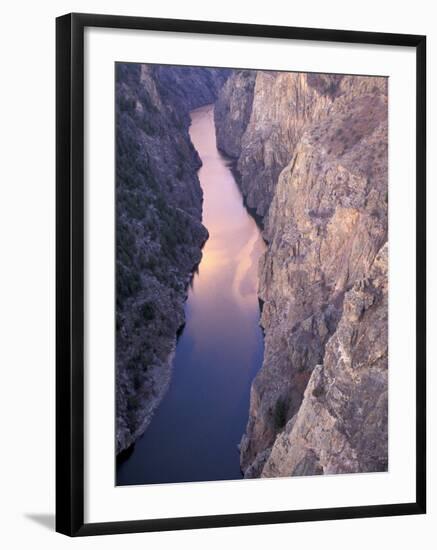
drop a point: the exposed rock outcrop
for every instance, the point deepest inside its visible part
(341, 425)
(159, 232)
(313, 162)
(232, 112)
(260, 116)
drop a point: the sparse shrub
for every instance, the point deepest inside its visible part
(148, 311)
(280, 413)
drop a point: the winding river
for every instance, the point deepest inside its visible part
(196, 429)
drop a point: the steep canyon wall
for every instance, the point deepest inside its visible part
(310, 154)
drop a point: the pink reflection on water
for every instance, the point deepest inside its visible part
(224, 292)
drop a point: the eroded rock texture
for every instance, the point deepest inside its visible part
(251, 127)
(232, 111)
(159, 233)
(312, 162)
(341, 425)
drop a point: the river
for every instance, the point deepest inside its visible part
(197, 427)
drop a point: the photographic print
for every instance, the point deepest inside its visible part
(251, 274)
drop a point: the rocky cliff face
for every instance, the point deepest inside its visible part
(341, 425)
(159, 230)
(252, 128)
(232, 112)
(312, 161)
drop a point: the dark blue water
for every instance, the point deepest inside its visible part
(195, 431)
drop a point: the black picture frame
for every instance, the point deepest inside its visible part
(70, 273)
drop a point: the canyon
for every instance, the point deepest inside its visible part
(309, 154)
(196, 429)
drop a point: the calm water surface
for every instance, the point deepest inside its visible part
(199, 423)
